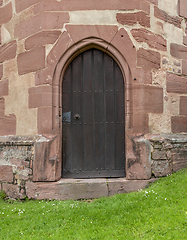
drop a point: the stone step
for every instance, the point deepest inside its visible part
(83, 188)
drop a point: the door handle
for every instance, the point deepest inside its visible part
(77, 116)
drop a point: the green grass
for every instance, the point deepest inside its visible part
(158, 212)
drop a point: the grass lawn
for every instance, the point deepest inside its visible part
(158, 212)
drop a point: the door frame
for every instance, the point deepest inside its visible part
(60, 70)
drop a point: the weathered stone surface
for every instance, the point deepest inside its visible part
(68, 189)
(183, 8)
(179, 124)
(40, 96)
(139, 167)
(176, 21)
(73, 5)
(153, 40)
(41, 22)
(178, 51)
(184, 67)
(44, 120)
(124, 186)
(41, 38)
(1, 2)
(183, 105)
(179, 159)
(153, 1)
(147, 99)
(161, 168)
(133, 18)
(31, 61)
(8, 51)
(148, 59)
(5, 13)
(1, 71)
(3, 88)
(8, 125)
(176, 84)
(140, 123)
(2, 106)
(23, 4)
(185, 40)
(6, 174)
(159, 155)
(11, 190)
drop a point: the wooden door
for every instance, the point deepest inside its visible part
(93, 117)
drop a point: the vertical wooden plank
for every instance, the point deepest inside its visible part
(120, 119)
(66, 127)
(99, 109)
(77, 142)
(87, 110)
(110, 113)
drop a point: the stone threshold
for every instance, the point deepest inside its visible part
(84, 188)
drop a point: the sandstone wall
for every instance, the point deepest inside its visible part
(38, 38)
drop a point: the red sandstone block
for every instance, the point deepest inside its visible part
(40, 96)
(153, 1)
(5, 13)
(2, 106)
(147, 99)
(1, 71)
(8, 51)
(185, 40)
(148, 59)
(184, 67)
(183, 8)
(31, 61)
(133, 18)
(23, 4)
(4, 88)
(179, 124)
(42, 38)
(11, 190)
(183, 105)
(8, 125)
(43, 21)
(0, 35)
(74, 5)
(6, 174)
(178, 51)
(44, 120)
(1, 2)
(153, 40)
(162, 15)
(140, 123)
(176, 84)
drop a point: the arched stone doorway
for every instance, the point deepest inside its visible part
(93, 106)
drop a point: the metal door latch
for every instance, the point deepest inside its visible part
(66, 117)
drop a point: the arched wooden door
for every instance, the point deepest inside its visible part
(93, 117)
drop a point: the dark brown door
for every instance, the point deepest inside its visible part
(93, 117)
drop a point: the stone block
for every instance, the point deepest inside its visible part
(140, 123)
(23, 4)
(11, 190)
(31, 61)
(4, 88)
(179, 124)
(179, 159)
(183, 105)
(41, 38)
(45, 120)
(148, 59)
(162, 15)
(133, 18)
(183, 8)
(68, 189)
(159, 155)
(8, 51)
(2, 106)
(41, 22)
(161, 168)
(5, 13)
(1, 2)
(40, 96)
(153, 40)
(1, 71)
(73, 5)
(147, 99)
(176, 84)
(178, 51)
(184, 67)
(8, 125)
(185, 40)
(6, 173)
(153, 1)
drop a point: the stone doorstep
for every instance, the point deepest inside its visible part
(83, 188)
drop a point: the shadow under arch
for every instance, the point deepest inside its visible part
(64, 62)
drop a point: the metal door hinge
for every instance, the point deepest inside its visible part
(66, 117)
